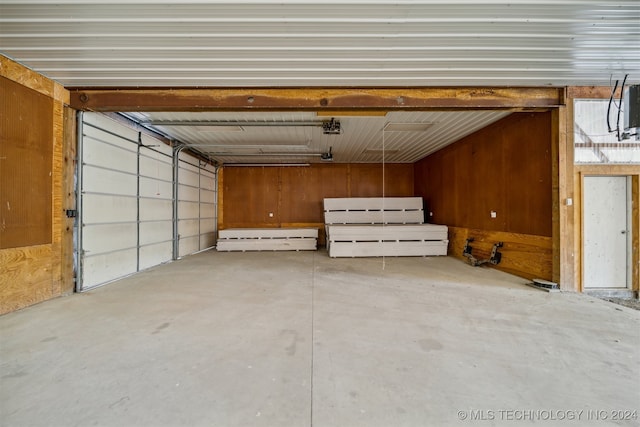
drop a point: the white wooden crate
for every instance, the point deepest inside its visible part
(376, 226)
(377, 249)
(267, 239)
(391, 232)
(373, 210)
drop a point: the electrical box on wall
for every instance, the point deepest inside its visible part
(632, 108)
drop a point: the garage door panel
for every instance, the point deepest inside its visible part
(156, 168)
(100, 154)
(152, 255)
(104, 122)
(153, 188)
(155, 209)
(188, 210)
(188, 227)
(207, 196)
(207, 210)
(188, 193)
(97, 239)
(189, 245)
(103, 208)
(207, 240)
(97, 180)
(108, 137)
(207, 225)
(155, 232)
(208, 181)
(188, 177)
(103, 268)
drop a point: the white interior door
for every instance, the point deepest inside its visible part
(606, 232)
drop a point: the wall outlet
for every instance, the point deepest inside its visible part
(494, 214)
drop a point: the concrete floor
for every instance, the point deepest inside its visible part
(299, 339)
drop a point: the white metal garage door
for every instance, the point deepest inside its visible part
(196, 205)
(126, 202)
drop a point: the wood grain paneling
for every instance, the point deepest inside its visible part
(25, 276)
(26, 162)
(295, 194)
(504, 167)
(524, 255)
(366, 180)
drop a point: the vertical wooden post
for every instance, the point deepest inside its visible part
(68, 199)
(635, 232)
(563, 209)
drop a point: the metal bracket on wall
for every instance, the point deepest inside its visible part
(494, 258)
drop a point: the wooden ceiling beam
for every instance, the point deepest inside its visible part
(315, 99)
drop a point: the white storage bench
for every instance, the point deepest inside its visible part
(267, 239)
(376, 226)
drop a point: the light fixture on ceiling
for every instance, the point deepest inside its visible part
(331, 127)
(328, 156)
(407, 127)
(267, 154)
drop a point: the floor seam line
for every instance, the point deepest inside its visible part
(313, 279)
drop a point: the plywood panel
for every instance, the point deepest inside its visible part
(26, 277)
(505, 168)
(26, 166)
(524, 255)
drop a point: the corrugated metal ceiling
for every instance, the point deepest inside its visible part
(279, 140)
(276, 43)
(280, 43)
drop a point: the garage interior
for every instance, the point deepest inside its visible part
(134, 133)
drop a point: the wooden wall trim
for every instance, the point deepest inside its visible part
(27, 77)
(314, 99)
(523, 255)
(610, 169)
(590, 92)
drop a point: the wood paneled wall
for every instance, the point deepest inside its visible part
(505, 168)
(294, 195)
(35, 234)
